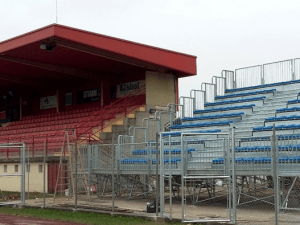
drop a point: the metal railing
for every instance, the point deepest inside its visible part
(286, 70)
(268, 73)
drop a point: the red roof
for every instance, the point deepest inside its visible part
(85, 54)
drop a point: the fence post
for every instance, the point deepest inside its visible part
(22, 161)
(293, 69)
(44, 176)
(75, 194)
(262, 75)
(233, 174)
(156, 172)
(90, 158)
(113, 177)
(275, 174)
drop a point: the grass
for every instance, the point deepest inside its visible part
(79, 217)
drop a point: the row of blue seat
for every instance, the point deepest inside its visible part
(267, 148)
(288, 109)
(262, 86)
(253, 148)
(192, 142)
(245, 94)
(235, 101)
(220, 123)
(293, 101)
(216, 116)
(145, 161)
(278, 127)
(280, 118)
(280, 137)
(166, 151)
(198, 131)
(244, 160)
(284, 159)
(225, 108)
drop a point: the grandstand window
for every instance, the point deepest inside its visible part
(5, 168)
(40, 168)
(28, 168)
(16, 168)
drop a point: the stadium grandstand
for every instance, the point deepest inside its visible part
(107, 115)
(57, 79)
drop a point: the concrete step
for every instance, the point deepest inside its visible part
(249, 124)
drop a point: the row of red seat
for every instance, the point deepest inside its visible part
(38, 129)
(42, 124)
(76, 111)
(46, 119)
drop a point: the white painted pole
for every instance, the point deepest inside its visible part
(56, 12)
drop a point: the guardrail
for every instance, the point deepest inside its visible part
(268, 73)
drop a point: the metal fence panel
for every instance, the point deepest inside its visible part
(199, 99)
(220, 85)
(209, 95)
(229, 77)
(248, 76)
(278, 71)
(11, 173)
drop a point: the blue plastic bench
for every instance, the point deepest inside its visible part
(235, 101)
(262, 86)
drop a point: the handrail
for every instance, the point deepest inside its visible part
(98, 118)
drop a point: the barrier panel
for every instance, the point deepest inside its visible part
(297, 69)
(199, 100)
(248, 76)
(12, 176)
(188, 106)
(220, 85)
(229, 78)
(212, 184)
(278, 71)
(210, 92)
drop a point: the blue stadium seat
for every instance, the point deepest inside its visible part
(225, 108)
(200, 132)
(245, 94)
(213, 116)
(234, 101)
(261, 86)
(221, 123)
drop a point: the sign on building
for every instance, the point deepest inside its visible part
(125, 88)
(68, 99)
(48, 102)
(91, 95)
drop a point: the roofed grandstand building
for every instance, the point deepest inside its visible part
(59, 78)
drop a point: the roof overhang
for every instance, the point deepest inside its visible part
(83, 55)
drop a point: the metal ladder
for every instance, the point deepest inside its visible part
(67, 177)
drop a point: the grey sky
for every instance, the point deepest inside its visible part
(223, 34)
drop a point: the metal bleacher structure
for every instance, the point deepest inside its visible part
(260, 122)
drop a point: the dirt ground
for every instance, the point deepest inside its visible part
(215, 211)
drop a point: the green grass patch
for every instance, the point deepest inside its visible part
(79, 217)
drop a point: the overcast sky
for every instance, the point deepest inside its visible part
(223, 34)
